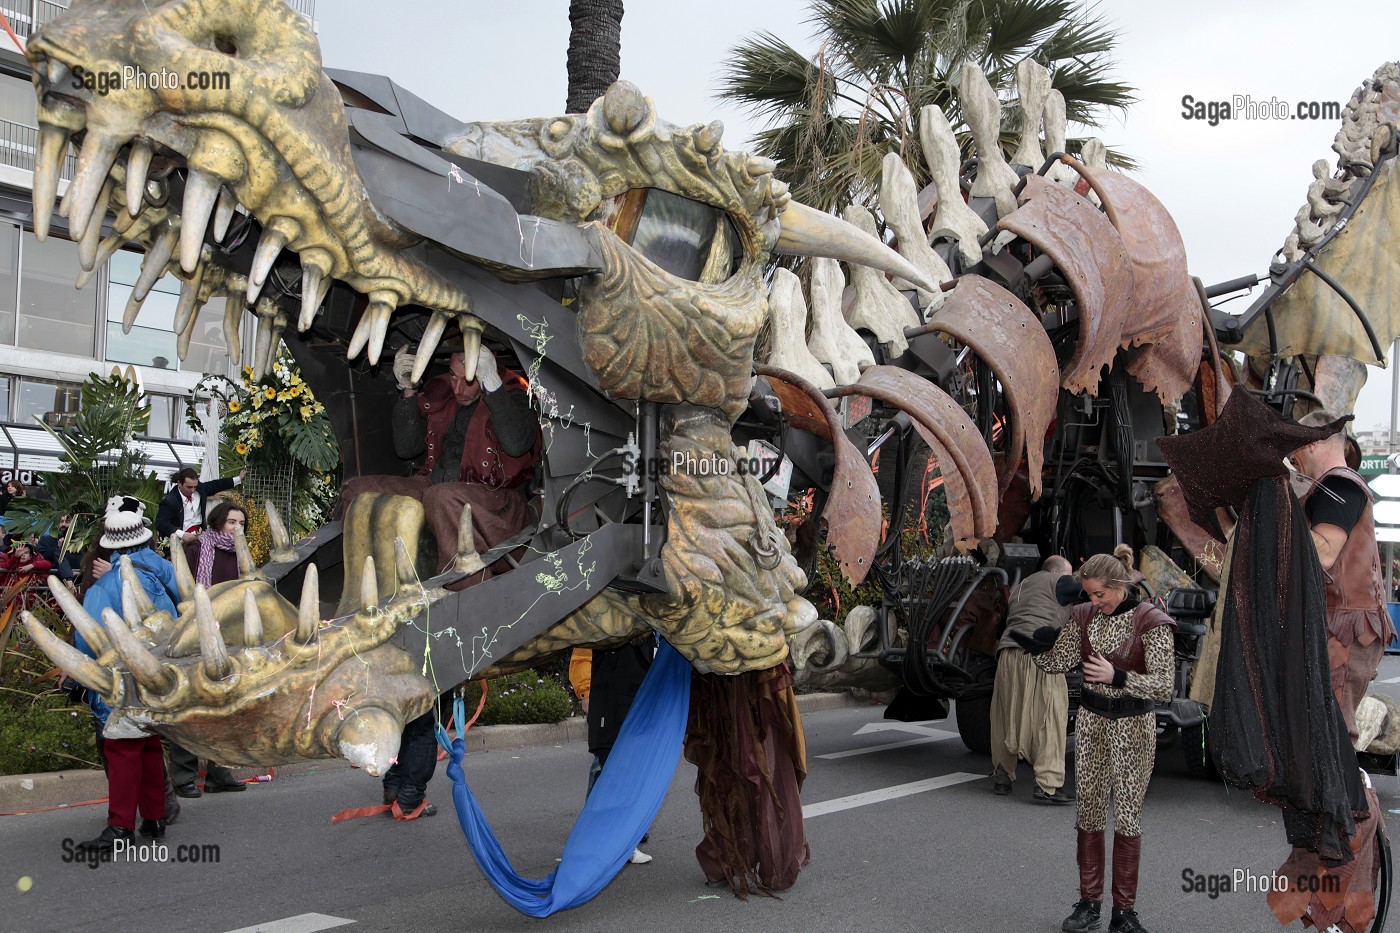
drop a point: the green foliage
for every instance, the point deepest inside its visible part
(40, 728)
(520, 699)
(99, 460)
(44, 733)
(833, 118)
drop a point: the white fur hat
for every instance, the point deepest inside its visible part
(125, 524)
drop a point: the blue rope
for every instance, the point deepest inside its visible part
(617, 813)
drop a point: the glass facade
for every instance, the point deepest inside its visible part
(9, 279)
(151, 341)
(53, 315)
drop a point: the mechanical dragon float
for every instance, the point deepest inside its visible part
(1032, 333)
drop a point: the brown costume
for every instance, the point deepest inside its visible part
(479, 452)
(1358, 626)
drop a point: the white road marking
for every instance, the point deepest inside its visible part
(302, 923)
(1389, 680)
(887, 793)
(926, 732)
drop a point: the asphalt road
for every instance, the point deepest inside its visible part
(904, 832)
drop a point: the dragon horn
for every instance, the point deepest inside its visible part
(92, 632)
(184, 580)
(468, 560)
(281, 541)
(309, 612)
(130, 610)
(252, 619)
(144, 666)
(217, 665)
(403, 563)
(75, 664)
(138, 592)
(369, 586)
(807, 231)
(246, 568)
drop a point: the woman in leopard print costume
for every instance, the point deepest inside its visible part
(1125, 645)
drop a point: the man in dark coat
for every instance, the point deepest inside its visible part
(181, 511)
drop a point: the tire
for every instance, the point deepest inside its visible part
(1195, 752)
(974, 716)
(1385, 880)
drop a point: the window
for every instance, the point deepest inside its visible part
(152, 340)
(53, 402)
(9, 261)
(53, 315)
(4, 398)
(162, 411)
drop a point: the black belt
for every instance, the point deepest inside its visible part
(1110, 708)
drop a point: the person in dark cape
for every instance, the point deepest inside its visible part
(1276, 728)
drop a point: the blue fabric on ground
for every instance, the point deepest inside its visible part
(615, 816)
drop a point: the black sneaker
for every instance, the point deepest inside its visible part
(190, 790)
(108, 840)
(1001, 782)
(1125, 920)
(1084, 917)
(1059, 796)
(153, 828)
(232, 787)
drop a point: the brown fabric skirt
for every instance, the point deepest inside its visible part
(745, 738)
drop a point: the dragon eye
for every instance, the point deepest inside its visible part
(689, 239)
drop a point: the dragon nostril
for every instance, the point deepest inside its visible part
(226, 45)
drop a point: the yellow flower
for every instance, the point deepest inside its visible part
(234, 406)
(242, 449)
(306, 413)
(248, 372)
(294, 391)
(284, 395)
(269, 393)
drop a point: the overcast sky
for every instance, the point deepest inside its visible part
(1232, 188)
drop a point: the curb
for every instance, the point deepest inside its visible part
(59, 789)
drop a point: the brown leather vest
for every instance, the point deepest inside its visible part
(1130, 656)
(482, 460)
(1354, 582)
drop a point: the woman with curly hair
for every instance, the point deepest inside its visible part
(1125, 645)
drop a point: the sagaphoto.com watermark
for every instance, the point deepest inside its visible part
(125, 852)
(131, 78)
(1247, 881)
(1244, 107)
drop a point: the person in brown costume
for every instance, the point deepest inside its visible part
(1337, 506)
(1126, 648)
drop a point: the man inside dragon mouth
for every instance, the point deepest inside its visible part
(659, 237)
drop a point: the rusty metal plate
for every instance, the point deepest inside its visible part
(1009, 338)
(852, 510)
(1093, 260)
(950, 426)
(1199, 543)
(1166, 317)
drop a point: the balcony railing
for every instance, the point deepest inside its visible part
(17, 145)
(26, 16)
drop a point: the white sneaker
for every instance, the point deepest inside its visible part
(639, 857)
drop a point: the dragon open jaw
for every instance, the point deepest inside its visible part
(272, 142)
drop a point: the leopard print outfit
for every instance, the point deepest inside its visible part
(1114, 757)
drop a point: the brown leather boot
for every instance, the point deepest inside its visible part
(1089, 854)
(1127, 850)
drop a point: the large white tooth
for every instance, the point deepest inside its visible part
(263, 347)
(471, 327)
(311, 280)
(144, 665)
(369, 585)
(427, 345)
(201, 192)
(104, 252)
(184, 579)
(403, 564)
(91, 235)
(138, 166)
(223, 213)
(157, 258)
(281, 541)
(189, 297)
(48, 165)
(94, 163)
(372, 329)
(129, 313)
(269, 247)
(183, 339)
(246, 568)
(143, 602)
(233, 317)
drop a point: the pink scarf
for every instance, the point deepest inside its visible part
(209, 542)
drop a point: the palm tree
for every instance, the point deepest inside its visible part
(595, 50)
(832, 119)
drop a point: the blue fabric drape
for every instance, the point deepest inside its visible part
(617, 813)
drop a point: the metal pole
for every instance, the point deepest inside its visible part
(1390, 461)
